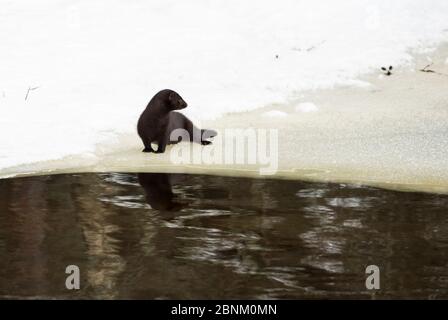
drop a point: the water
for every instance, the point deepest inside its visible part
(162, 236)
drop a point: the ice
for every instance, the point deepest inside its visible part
(306, 107)
(274, 114)
(95, 65)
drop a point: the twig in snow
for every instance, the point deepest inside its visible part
(425, 69)
(310, 48)
(28, 92)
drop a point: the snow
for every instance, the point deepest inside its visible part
(274, 114)
(306, 107)
(96, 64)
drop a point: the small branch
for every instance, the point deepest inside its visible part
(425, 69)
(26, 97)
(310, 48)
(28, 92)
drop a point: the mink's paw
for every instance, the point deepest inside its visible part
(205, 142)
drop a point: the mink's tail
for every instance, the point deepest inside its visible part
(208, 133)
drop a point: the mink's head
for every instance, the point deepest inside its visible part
(176, 101)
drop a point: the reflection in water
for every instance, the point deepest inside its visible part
(158, 191)
(190, 236)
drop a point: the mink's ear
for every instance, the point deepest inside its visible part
(172, 96)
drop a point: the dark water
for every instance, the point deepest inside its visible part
(186, 236)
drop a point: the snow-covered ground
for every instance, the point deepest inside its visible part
(88, 68)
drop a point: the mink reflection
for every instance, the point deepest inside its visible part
(158, 191)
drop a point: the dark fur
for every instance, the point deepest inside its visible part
(158, 121)
(159, 194)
